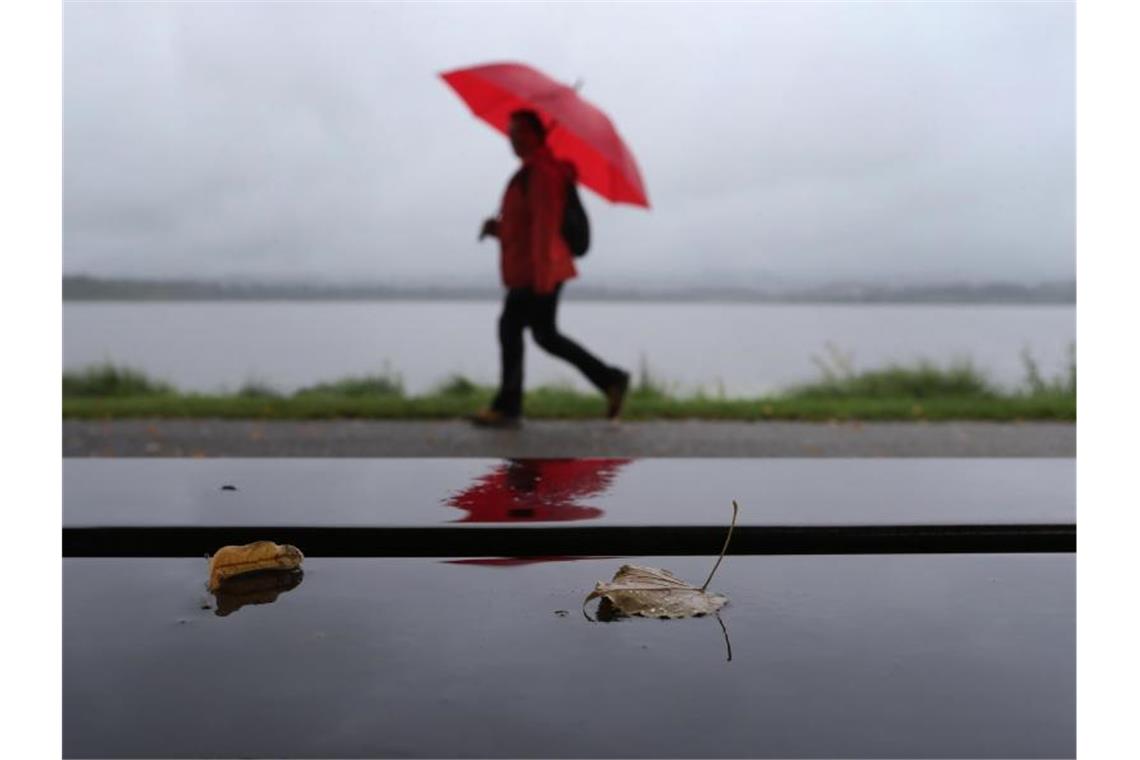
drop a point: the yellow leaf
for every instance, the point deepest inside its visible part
(250, 558)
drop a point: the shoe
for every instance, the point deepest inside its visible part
(493, 418)
(615, 396)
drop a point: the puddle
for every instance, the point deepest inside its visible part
(905, 655)
(537, 490)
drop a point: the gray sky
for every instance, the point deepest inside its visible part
(779, 142)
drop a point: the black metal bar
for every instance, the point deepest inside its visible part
(533, 541)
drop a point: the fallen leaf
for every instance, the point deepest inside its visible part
(250, 558)
(653, 592)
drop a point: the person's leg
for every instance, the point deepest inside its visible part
(512, 321)
(543, 325)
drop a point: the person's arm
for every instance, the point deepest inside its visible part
(545, 198)
(490, 228)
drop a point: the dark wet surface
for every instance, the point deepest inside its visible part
(261, 587)
(564, 438)
(567, 493)
(862, 656)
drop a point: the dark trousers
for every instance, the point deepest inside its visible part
(524, 308)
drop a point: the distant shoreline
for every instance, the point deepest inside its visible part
(80, 289)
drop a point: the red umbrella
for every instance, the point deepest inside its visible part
(578, 131)
(538, 490)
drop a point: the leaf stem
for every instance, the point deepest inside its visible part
(724, 630)
(724, 549)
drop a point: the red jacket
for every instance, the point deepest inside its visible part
(534, 255)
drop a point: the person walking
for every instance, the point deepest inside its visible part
(535, 262)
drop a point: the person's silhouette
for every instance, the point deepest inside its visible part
(535, 262)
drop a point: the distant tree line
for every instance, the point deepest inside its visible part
(88, 288)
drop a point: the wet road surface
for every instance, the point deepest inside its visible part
(551, 438)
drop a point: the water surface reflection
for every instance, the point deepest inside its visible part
(255, 588)
(537, 490)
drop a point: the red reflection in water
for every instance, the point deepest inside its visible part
(538, 490)
(516, 561)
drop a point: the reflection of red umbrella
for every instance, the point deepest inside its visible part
(538, 490)
(578, 131)
(516, 561)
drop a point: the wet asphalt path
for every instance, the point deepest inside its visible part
(549, 438)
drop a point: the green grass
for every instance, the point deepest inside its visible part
(923, 381)
(109, 381)
(922, 392)
(458, 386)
(559, 404)
(356, 387)
(255, 389)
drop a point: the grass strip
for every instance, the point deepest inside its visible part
(922, 392)
(570, 406)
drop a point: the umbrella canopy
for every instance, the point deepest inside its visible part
(577, 130)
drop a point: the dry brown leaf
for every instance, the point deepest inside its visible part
(653, 592)
(250, 558)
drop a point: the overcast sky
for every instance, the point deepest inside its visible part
(779, 142)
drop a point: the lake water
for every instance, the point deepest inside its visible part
(738, 348)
